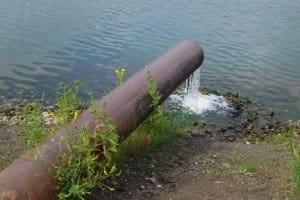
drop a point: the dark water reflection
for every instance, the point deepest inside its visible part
(251, 46)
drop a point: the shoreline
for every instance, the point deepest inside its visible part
(247, 122)
(246, 128)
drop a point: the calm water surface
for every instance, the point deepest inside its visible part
(251, 46)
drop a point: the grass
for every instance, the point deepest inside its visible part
(295, 153)
(33, 125)
(279, 139)
(68, 101)
(243, 165)
(67, 105)
(209, 169)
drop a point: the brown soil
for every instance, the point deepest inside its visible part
(10, 146)
(197, 168)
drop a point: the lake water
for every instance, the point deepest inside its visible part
(251, 46)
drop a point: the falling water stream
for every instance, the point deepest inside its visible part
(190, 98)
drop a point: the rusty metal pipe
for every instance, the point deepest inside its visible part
(31, 175)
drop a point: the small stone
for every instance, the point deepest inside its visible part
(202, 123)
(226, 165)
(142, 187)
(45, 115)
(159, 186)
(5, 119)
(203, 90)
(222, 130)
(194, 133)
(13, 120)
(151, 180)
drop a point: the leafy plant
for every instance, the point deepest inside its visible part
(120, 73)
(153, 92)
(33, 124)
(67, 108)
(68, 101)
(89, 160)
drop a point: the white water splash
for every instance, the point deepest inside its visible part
(199, 103)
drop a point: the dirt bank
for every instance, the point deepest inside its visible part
(197, 168)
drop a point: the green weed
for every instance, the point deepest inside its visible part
(89, 160)
(243, 165)
(33, 125)
(209, 170)
(67, 102)
(295, 152)
(120, 74)
(279, 139)
(67, 108)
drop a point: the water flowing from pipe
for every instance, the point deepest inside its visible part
(200, 104)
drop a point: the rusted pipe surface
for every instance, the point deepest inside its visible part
(31, 175)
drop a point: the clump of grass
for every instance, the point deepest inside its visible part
(209, 170)
(33, 125)
(67, 108)
(279, 139)
(243, 165)
(295, 152)
(89, 160)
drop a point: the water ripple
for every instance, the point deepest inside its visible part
(250, 46)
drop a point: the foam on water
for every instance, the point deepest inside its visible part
(199, 103)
